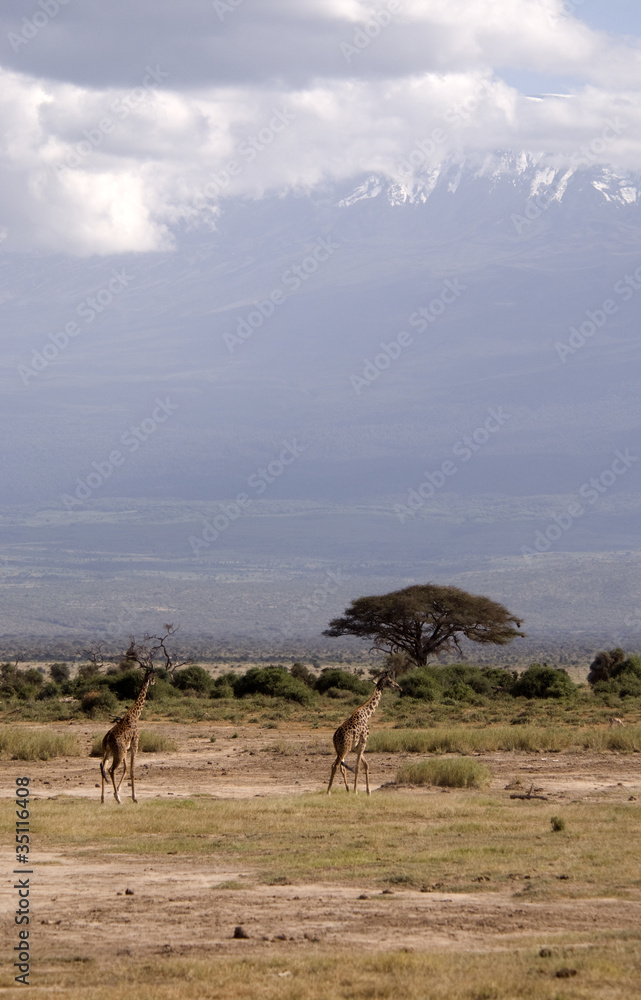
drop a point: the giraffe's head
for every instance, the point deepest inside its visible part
(387, 680)
(149, 678)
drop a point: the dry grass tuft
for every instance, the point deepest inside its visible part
(25, 744)
(149, 743)
(156, 743)
(529, 739)
(459, 772)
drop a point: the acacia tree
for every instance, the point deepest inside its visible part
(153, 647)
(142, 654)
(425, 620)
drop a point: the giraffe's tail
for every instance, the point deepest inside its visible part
(343, 764)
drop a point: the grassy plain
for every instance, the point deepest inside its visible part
(461, 843)
(610, 969)
(398, 838)
(459, 894)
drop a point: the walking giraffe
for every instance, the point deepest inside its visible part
(123, 737)
(353, 734)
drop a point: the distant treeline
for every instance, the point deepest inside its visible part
(562, 649)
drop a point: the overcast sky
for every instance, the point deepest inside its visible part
(122, 121)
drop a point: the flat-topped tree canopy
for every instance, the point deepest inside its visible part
(426, 619)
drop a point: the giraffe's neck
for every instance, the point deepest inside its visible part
(135, 711)
(370, 706)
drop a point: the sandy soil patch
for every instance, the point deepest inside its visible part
(287, 761)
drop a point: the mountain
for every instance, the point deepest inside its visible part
(411, 379)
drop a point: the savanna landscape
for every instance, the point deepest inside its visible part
(319, 325)
(496, 857)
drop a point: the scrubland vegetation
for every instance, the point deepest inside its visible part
(541, 697)
(456, 708)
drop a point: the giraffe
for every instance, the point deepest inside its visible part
(353, 733)
(122, 737)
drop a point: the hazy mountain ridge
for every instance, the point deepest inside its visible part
(360, 454)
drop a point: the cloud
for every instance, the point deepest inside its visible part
(105, 155)
(295, 41)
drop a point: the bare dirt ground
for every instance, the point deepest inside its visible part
(83, 907)
(291, 760)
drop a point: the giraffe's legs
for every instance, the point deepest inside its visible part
(360, 756)
(331, 777)
(134, 747)
(117, 761)
(339, 762)
(366, 766)
(104, 778)
(359, 753)
(124, 770)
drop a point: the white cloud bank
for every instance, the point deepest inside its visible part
(100, 167)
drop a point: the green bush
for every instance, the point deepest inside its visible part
(84, 683)
(125, 684)
(162, 690)
(340, 694)
(33, 676)
(10, 680)
(48, 691)
(23, 684)
(304, 674)
(453, 675)
(460, 692)
(88, 671)
(223, 686)
(457, 681)
(99, 702)
(332, 677)
(193, 679)
(28, 692)
(611, 665)
(630, 665)
(420, 684)
(273, 681)
(616, 674)
(26, 684)
(542, 681)
(59, 672)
